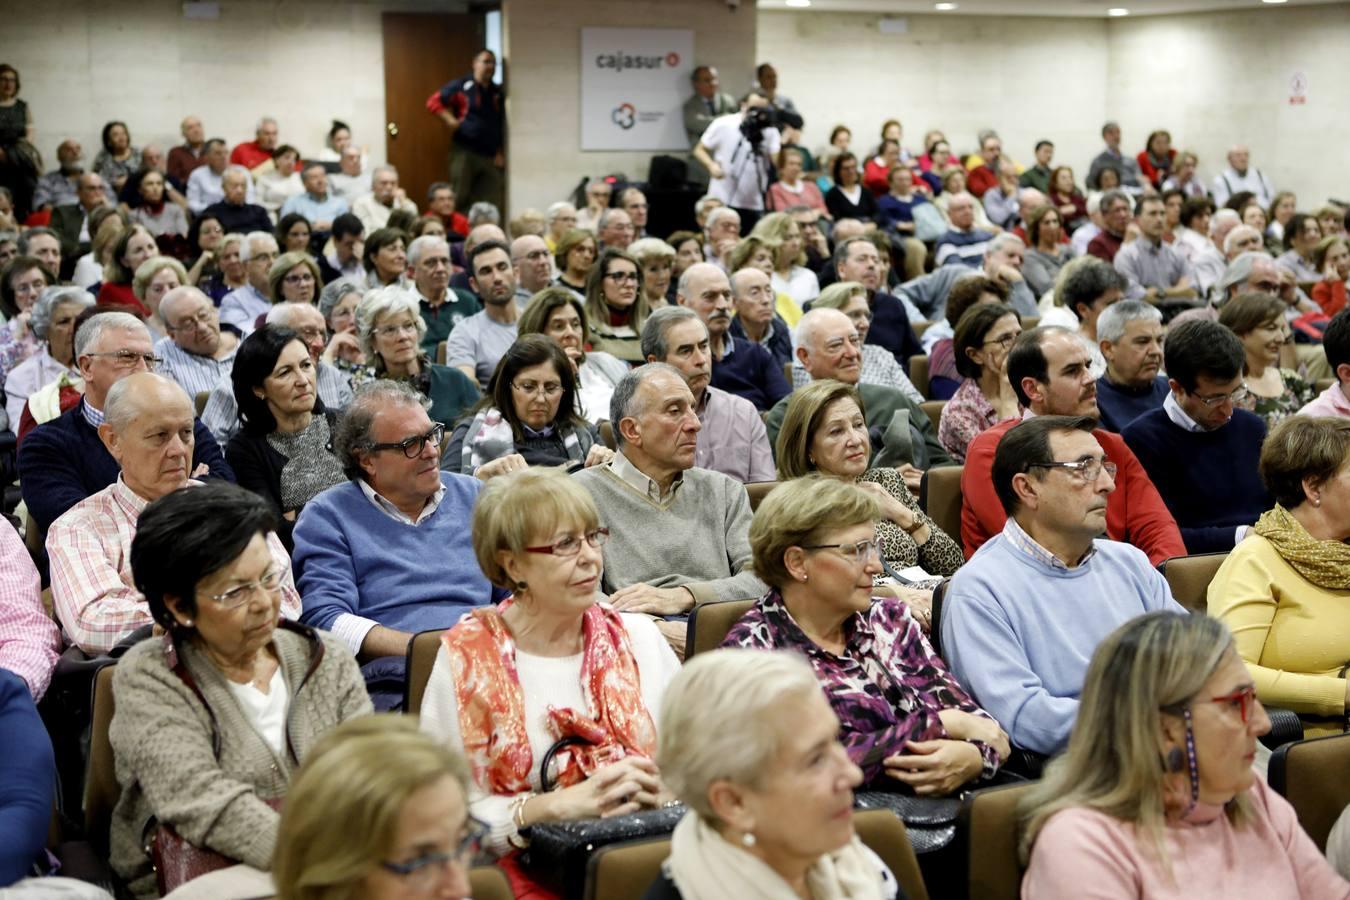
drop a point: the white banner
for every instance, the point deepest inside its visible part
(634, 82)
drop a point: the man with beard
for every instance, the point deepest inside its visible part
(1049, 368)
(1130, 335)
(479, 341)
(739, 367)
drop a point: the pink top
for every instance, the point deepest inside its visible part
(29, 640)
(782, 197)
(1088, 855)
(1331, 402)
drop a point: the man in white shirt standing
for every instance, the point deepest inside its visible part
(739, 158)
(1239, 177)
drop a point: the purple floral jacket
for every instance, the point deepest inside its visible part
(887, 688)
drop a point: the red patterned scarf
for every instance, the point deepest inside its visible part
(615, 722)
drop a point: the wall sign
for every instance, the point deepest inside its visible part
(634, 82)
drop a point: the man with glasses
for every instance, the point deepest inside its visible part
(678, 535)
(478, 342)
(1202, 451)
(615, 229)
(221, 414)
(1050, 371)
(195, 353)
(390, 553)
(240, 308)
(63, 461)
(533, 266)
(1023, 617)
(148, 429)
(739, 366)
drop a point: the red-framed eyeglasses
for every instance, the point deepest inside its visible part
(1241, 700)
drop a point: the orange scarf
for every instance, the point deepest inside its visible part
(615, 722)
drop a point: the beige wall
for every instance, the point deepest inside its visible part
(1211, 79)
(542, 41)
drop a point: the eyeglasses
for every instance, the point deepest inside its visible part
(548, 388)
(1087, 470)
(236, 597)
(571, 545)
(622, 277)
(861, 552)
(396, 330)
(1005, 342)
(1236, 398)
(302, 278)
(127, 359)
(422, 871)
(200, 320)
(1266, 287)
(1241, 700)
(412, 447)
(253, 257)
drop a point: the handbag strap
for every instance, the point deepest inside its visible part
(545, 782)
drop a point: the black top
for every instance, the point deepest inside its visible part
(842, 208)
(13, 123)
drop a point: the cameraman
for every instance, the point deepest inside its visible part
(738, 151)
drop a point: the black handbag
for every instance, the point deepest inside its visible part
(559, 851)
(930, 822)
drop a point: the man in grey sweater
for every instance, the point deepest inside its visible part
(678, 535)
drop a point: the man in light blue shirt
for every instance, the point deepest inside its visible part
(1023, 617)
(316, 203)
(241, 307)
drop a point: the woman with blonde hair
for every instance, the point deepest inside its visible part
(294, 278)
(154, 279)
(1156, 796)
(790, 275)
(379, 811)
(657, 259)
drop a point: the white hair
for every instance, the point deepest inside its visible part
(123, 402)
(1237, 234)
(246, 248)
(811, 322)
(1006, 237)
(422, 244)
(282, 313)
(96, 326)
(1223, 218)
(382, 302)
(718, 215)
(385, 168)
(556, 209)
(235, 170)
(176, 296)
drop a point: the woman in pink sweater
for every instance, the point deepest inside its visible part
(1156, 796)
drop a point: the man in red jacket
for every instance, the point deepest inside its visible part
(1049, 370)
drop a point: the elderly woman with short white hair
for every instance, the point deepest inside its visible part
(390, 327)
(53, 323)
(749, 743)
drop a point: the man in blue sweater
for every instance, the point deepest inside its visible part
(1130, 335)
(390, 553)
(1200, 450)
(1023, 617)
(63, 461)
(740, 366)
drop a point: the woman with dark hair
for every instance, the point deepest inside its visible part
(20, 163)
(983, 338)
(576, 255)
(688, 250)
(1301, 236)
(1332, 259)
(386, 257)
(1272, 392)
(134, 247)
(283, 451)
(529, 417)
(1065, 197)
(876, 173)
(616, 306)
(118, 160)
(214, 717)
(282, 181)
(152, 208)
(339, 136)
(1157, 157)
(557, 313)
(208, 269)
(1047, 252)
(848, 199)
(293, 233)
(21, 284)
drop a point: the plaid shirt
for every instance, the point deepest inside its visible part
(93, 593)
(30, 642)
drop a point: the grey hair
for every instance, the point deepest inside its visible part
(384, 168)
(423, 244)
(1235, 234)
(281, 313)
(352, 437)
(610, 211)
(382, 302)
(9, 236)
(1006, 237)
(1115, 318)
(26, 238)
(701, 206)
(246, 247)
(657, 324)
(623, 404)
(556, 209)
(53, 297)
(809, 324)
(235, 170)
(720, 720)
(1223, 218)
(1239, 270)
(178, 295)
(842, 251)
(95, 326)
(1112, 196)
(334, 291)
(717, 215)
(266, 120)
(649, 249)
(121, 405)
(482, 212)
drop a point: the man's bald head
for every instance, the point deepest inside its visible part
(178, 298)
(847, 228)
(142, 392)
(481, 234)
(745, 280)
(828, 346)
(148, 428)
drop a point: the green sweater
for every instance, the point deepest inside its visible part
(699, 539)
(907, 434)
(162, 738)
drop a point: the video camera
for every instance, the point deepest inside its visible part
(758, 118)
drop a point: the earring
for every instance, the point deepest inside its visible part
(522, 587)
(1317, 501)
(748, 839)
(1175, 759)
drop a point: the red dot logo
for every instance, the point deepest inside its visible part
(672, 59)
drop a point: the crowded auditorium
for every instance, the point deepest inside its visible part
(705, 449)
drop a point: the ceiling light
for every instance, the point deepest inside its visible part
(800, 4)
(1273, 2)
(1117, 12)
(944, 7)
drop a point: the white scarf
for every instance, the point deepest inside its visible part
(705, 866)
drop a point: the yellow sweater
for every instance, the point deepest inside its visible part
(1293, 635)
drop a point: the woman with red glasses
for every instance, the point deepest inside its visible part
(1156, 796)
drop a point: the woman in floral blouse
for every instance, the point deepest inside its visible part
(903, 717)
(825, 431)
(1258, 320)
(983, 338)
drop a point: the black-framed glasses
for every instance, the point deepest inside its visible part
(530, 388)
(621, 277)
(1089, 470)
(236, 597)
(859, 552)
(571, 544)
(412, 447)
(1004, 342)
(422, 871)
(1237, 398)
(127, 359)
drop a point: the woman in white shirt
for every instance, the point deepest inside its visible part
(790, 274)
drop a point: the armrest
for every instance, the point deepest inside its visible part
(1285, 727)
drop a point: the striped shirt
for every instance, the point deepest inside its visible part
(30, 642)
(194, 373)
(93, 593)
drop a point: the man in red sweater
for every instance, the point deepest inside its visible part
(256, 153)
(1049, 371)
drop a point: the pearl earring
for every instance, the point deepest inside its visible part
(748, 839)
(1317, 502)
